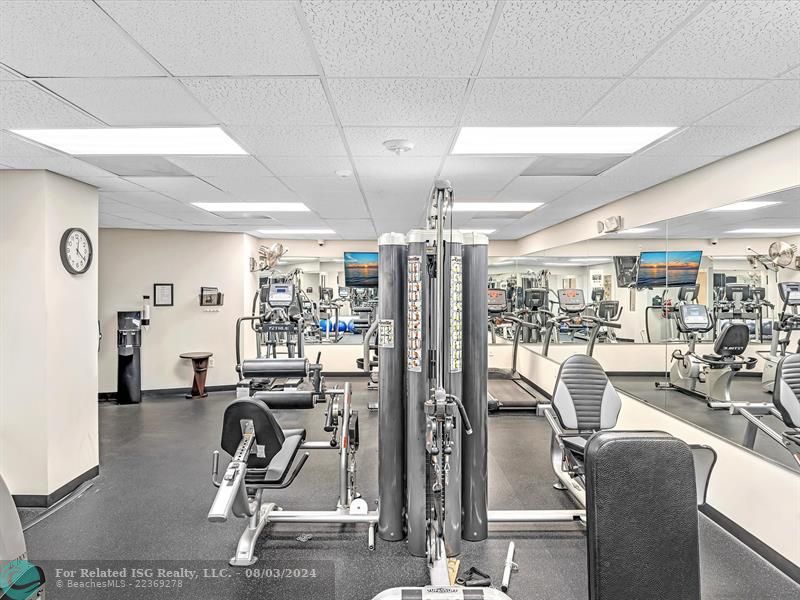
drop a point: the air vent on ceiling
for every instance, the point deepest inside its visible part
(136, 166)
(572, 164)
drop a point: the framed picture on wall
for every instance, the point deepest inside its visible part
(210, 296)
(163, 294)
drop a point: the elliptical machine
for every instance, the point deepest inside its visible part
(709, 376)
(788, 321)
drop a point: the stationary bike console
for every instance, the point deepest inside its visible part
(571, 301)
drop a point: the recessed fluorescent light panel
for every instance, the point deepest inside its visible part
(135, 140)
(556, 140)
(639, 230)
(251, 207)
(745, 205)
(777, 230)
(297, 231)
(495, 206)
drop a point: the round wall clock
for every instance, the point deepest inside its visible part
(76, 250)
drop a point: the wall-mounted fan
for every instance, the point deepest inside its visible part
(781, 253)
(268, 258)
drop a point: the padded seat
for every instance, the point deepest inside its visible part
(278, 467)
(786, 396)
(575, 443)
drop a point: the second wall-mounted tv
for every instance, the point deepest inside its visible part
(668, 269)
(361, 269)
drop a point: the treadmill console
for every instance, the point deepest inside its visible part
(571, 300)
(535, 298)
(693, 317)
(497, 300)
(281, 295)
(344, 292)
(688, 293)
(790, 292)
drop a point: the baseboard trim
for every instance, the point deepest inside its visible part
(776, 559)
(42, 501)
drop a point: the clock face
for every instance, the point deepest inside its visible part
(76, 251)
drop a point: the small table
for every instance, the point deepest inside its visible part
(200, 365)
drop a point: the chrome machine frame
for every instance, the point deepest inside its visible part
(245, 500)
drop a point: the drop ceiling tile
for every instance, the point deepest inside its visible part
(589, 39)
(772, 105)
(318, 166)
(26, 106)
(67, 39)
(250, 189)
(265, 101)
(108, 221)
(218, 38)
(510, 102)
(141, 200)
(353, 229)
(714, 141)
(731, 39)
(185, 189)
(793, 74)
(64, 165)
(477, 173)
(400, 224)
(416, 102)
(640, 172)
(330, 197)
(290, 141)
(665, 102)
(115, 184)
(539, 188)
(221, 166)
(428, 141)
(299, 220)
(140, 101)
(135, 165)
(5, 74)
(393, 168)
(12, 145)
(373, 39)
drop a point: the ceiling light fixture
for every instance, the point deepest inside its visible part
(297, 231)
(251, 207)
(399, 146)
(639, 230)
(777, 230)
(344, 173)
(744, 205)
(556, 140)
(135, 140)
(495, 206)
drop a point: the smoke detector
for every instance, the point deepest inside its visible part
(344, 173)
(398, 146)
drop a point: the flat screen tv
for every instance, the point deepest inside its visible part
(361, 269)
(668, 269)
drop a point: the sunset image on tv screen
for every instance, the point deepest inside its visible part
(361, 269)
(668, 269)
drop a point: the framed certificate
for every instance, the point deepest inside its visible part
(163, 294)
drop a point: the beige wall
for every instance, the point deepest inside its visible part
(48, 346)
(131, 261)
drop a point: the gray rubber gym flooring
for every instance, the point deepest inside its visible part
(694, 410)
(153, 493)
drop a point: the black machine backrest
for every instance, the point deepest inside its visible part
(598, 294)
(584, 398)
(786, 396)
(269, 435)
(688, 293)
(732, 340)
(608, 310)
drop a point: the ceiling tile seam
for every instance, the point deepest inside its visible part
(147, 210)
(61, 99)
(309, 38)
(13, 71)
(700, 8)
(171, 76)
(132, 39)
(476, 69)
